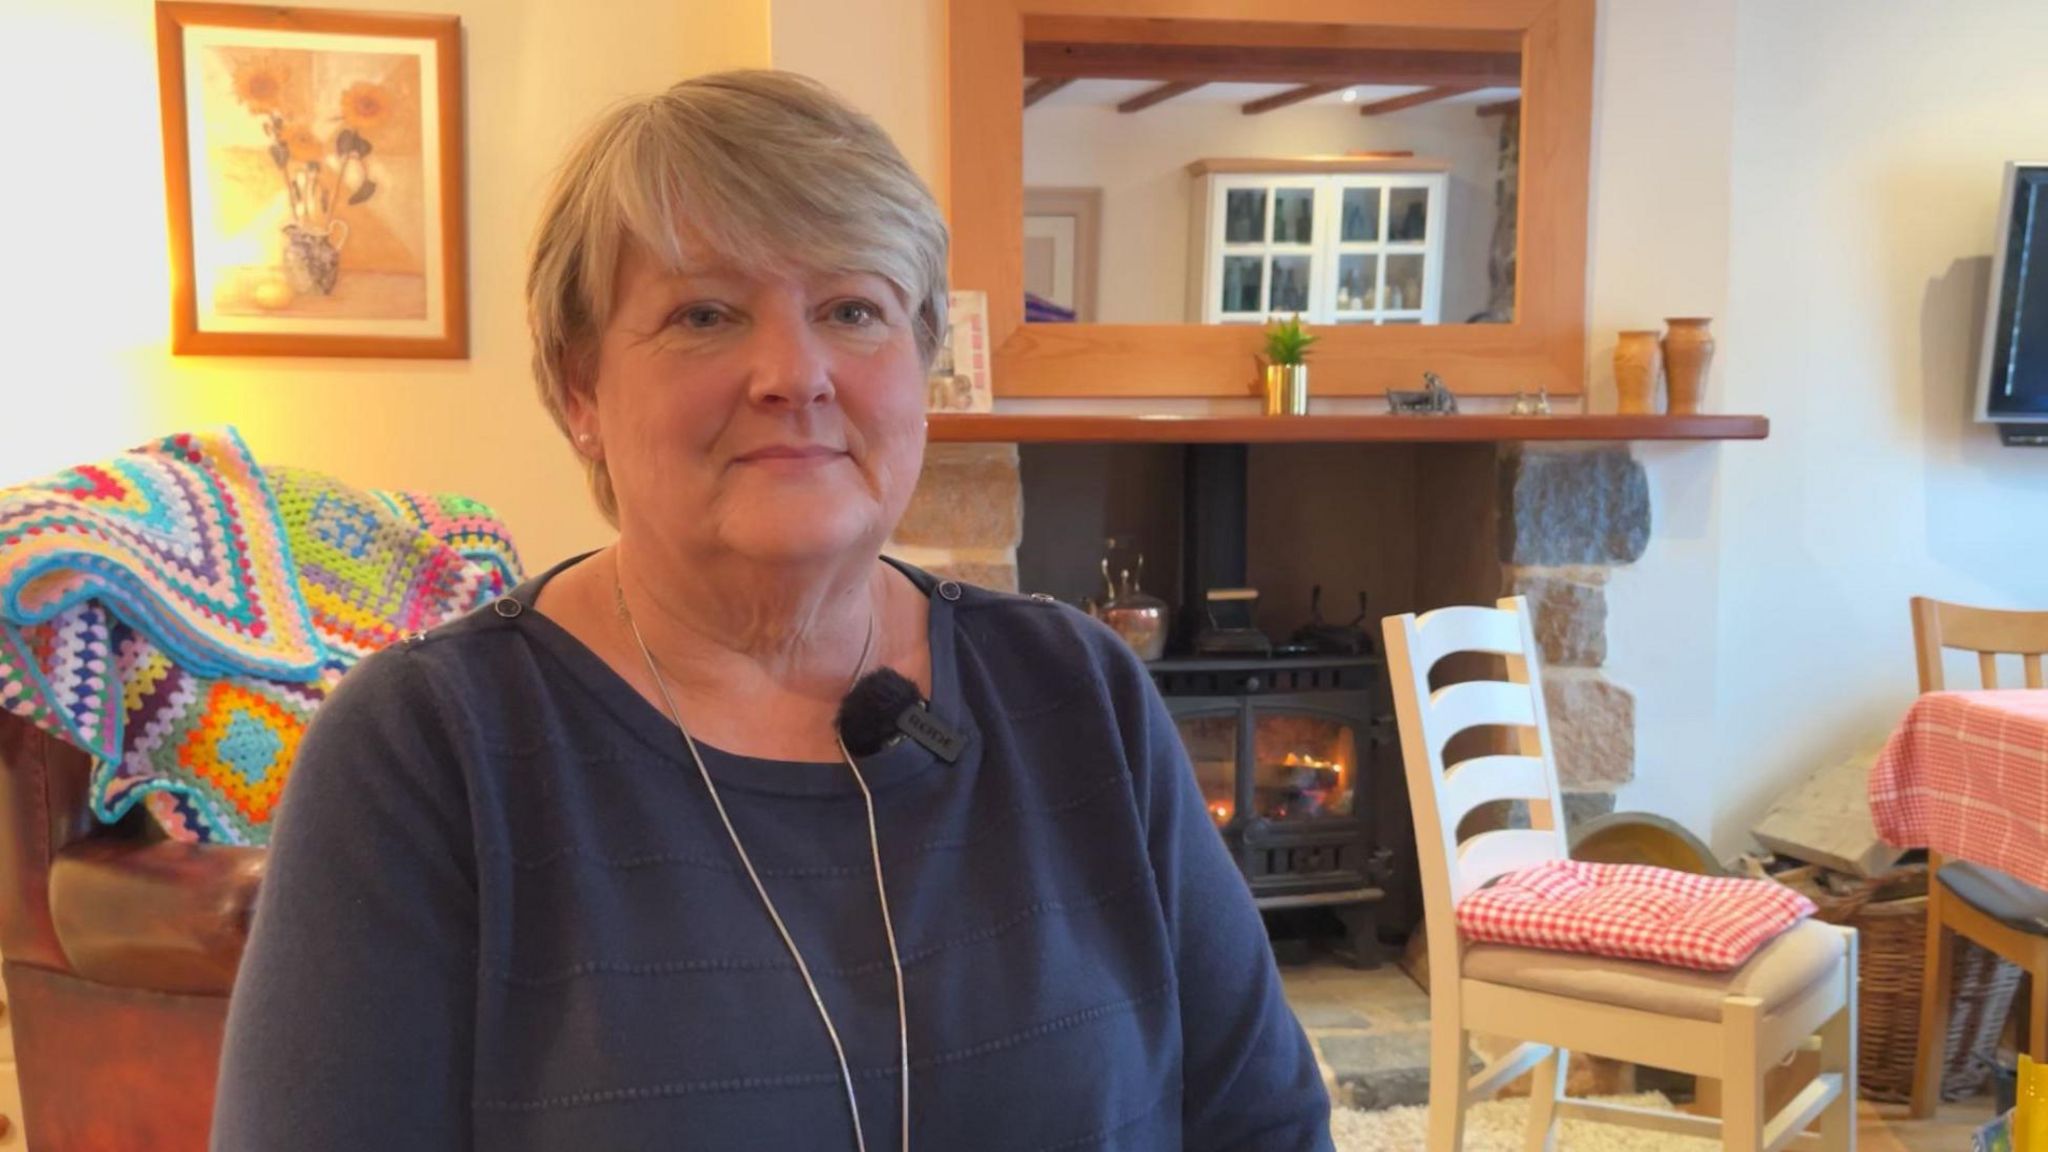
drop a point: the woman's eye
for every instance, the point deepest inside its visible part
(699, 317)
(857, 313)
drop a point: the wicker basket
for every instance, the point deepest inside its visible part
(1893, 943)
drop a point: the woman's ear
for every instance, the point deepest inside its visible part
(580, 414)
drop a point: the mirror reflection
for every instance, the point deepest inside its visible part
(1172, 181)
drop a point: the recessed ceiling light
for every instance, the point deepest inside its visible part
(1351, 95)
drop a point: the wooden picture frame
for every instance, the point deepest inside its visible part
(1077, 241)
(313, 173)
(1544, 346)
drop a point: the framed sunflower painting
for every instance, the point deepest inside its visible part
(313, 163)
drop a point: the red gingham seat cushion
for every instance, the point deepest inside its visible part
(1632, 912)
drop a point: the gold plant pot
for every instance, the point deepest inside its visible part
(1286, 389)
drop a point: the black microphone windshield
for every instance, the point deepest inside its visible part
(868, 715)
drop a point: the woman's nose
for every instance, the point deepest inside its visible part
(790, 367)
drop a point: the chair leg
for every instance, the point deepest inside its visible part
(1742, 1075)
(1838, 1056)
(1449, 1067)
(1544, 1093)
(2037, 1013)
(1935, 993)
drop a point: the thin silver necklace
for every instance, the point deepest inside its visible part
(874, 848)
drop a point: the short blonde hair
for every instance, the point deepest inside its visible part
(767, 168)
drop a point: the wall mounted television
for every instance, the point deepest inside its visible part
(2012, 386)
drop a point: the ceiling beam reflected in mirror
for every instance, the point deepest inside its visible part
(1291, 96)
(1415, 99)
(1501, 107)
(1045, 86)
(1209, 63)
(1053, 28)
(1159, 95)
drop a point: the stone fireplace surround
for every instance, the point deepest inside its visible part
(1416, 526)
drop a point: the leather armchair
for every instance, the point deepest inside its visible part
(121, 948)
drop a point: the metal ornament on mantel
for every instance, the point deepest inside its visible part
(1433, 400)
(1136, 615)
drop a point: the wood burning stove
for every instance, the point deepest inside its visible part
(1294, 748)
(1292, 756)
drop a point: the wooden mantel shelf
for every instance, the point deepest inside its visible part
(1000, 428)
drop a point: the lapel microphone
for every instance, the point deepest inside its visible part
(884, 707)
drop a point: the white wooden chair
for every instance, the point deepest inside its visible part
(1796, 993)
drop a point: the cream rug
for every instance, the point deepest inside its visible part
(1496, 1126)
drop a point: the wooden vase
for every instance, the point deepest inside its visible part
(1688, 351)
(1636, 361)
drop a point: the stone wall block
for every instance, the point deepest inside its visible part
(1570, 613)
(1592, 730)
(971, 496)
(1578, 506)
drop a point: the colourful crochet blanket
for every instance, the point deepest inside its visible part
(180, 613)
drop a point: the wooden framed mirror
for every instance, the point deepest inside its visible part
(1334, 221)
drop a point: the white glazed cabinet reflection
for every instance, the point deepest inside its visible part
(1340, 248)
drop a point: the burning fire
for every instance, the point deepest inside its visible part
(1313, 787)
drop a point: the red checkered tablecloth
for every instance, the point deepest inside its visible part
(1966, 775)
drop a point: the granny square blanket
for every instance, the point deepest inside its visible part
(180, 613)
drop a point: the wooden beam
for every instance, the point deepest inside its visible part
(1319, 165)
(1424, 37)
(1284, 65)
(1045, 86)
(1501, 107)
(1291, 96)
(1414, 99)
(1159, 95)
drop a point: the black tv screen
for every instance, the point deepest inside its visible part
(2015, 385)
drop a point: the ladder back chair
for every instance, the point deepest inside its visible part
(1796, 993)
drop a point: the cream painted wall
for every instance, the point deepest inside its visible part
(1662, 137)
(1823, 178)
(85, 279)
(1139, 161)
(722, 34)
(1869, 142)
(887, 56)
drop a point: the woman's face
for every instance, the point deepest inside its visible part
(773, 414)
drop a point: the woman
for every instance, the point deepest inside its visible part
(591, 868)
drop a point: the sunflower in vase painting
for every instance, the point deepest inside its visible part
(305, 206)
(315, 172)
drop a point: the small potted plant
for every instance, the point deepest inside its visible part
(1287, 345)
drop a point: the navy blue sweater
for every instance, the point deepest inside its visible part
(500, 914)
